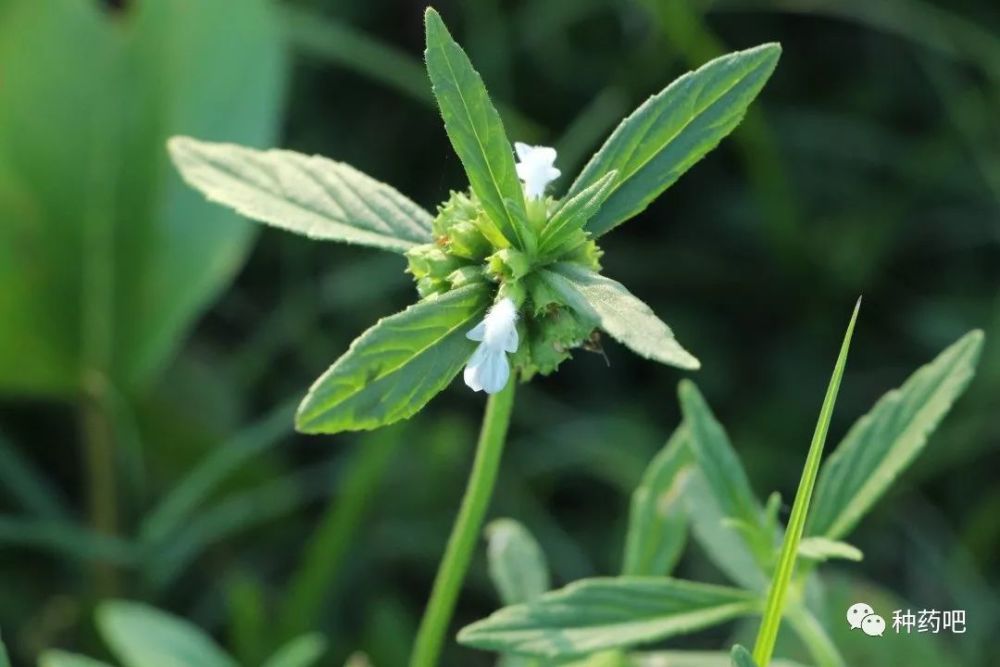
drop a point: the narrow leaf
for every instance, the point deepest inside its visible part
(574, 213)
(626, 319)
(722, 497)
(476, 131)
(672, 130)
(305, 194)
(300, 652)
(604, 613)
(822, 548)
(768, 633)
(657, 523)
(141, 636)
(392, 370)
(516, 562)
(62, 659)
(883, 443)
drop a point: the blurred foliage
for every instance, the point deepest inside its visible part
(871, 164)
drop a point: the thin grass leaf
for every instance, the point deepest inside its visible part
(657, 523)
(68, 540)
(27, 484)
(821, 549)
(884, 442)
(476, 132)
(773, 611)
(607, 613)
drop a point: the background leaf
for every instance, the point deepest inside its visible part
(141, 636)
(516, 562)
(742, 658)
(657, 522)
(821, 548)
(884, 442)
(63, 659)
(597, 614)
(305, 194)
(105, 257)
(672, 130)
(626, 318)
(476, 131)
(395, 367)
(300, 652)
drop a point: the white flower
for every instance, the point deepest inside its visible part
(488, 369)
(535, 168)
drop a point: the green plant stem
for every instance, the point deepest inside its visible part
(466, 531)
(99, 455)
(773, 611)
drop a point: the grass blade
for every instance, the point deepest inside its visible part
(774, 608)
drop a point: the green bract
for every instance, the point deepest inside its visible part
(489, 241)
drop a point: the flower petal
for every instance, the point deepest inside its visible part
(477, 332)
(494, 372)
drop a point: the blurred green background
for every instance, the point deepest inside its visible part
(153, 347)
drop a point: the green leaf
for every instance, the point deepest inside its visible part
(626, 319)
(63, 659)
(476, 132)
(306, 194)
(693, 659)
(4, 658)
(822, 548)
(721, 496)
(780, 581)
(141, 636)
(672, 130)
(573, 213)
(884, 442)
(604, 613)
(657, 522)
(392, 370)
(106, 258)
(516, 562)
(300, 652)
(742, 658)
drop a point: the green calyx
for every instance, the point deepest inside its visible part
(469, 248)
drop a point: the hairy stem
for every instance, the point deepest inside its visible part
(465, 533)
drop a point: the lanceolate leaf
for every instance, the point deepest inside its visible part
(672, 130)
(657, 522)
(574, 212)
(305, 194)
(627, 319)
(517, 564)
(822, 548)
(141, 636)
(722, 478)
(476, 131)
(605, 613)
(397, 366)
(300, 652)
(884, 442)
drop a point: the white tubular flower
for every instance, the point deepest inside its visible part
(488, 369)
(535, 168)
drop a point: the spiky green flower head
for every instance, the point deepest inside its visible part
(469, 248)
(508, 275)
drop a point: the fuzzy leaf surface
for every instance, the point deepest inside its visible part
(392, 370)
(618, 312)
(606, 613)
(884, 442)
(672, 130)
(476, 131)
(306, 194)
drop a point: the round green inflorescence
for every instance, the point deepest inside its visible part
(469, 248)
